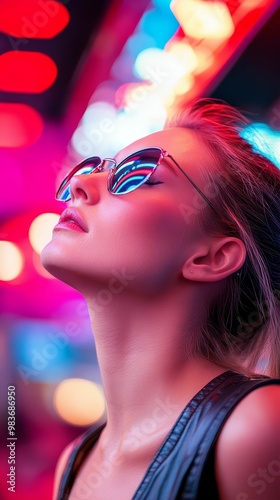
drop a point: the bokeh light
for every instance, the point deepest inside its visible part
(154, 18)
(104, 92)
(184, 85)
(12, 181)
(265, 140)
(82, 145)
(33, 19)
(185, 54)
(200, 19)
(204, 56)
(11, 261)
(159, 67)
(138, 42)
(40, 231)
(122, 69)
(162, 4)
(99, 114)
(20, 125)
(37, 71)
(79, 401)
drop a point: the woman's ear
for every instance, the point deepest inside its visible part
(216, 260)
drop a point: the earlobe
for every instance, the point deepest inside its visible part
(221, 258)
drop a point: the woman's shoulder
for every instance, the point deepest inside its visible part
(247, 459)
(60, 466)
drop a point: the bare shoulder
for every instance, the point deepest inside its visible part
(60, 466)
(247, 459)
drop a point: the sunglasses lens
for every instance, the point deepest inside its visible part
(134, 171)
(63, 193)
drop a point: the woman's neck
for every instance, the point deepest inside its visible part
(147, 369)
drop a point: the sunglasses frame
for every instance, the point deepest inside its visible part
(100, 167)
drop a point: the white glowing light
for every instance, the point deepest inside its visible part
(130, 127)
(83, 145)
(40, 231)
(93, 141)
(96, 128)
(184, 54)
(98, 114)
(200, 19)
(144, 101)
(205, 57)
(184, 85)
(79, 401)
(11, 261)
(159, 67)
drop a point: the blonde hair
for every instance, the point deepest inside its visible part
(242, 329)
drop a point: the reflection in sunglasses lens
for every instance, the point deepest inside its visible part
(133, 172)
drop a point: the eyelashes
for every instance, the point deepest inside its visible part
(150, 183)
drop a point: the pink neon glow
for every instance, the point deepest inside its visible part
(20, 125)
(22, 71)
(33, 18)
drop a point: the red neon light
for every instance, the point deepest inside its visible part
(26, 71)
(20, 125)
(33, 18)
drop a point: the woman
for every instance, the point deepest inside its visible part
(176, 251)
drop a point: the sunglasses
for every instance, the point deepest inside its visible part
(125, 176)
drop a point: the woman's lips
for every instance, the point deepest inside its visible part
(71, 219)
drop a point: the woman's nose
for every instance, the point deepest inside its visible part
(87, 187)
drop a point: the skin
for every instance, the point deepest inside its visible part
(171, 269)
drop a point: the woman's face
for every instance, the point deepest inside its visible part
(141, 238)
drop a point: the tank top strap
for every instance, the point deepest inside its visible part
(83, 444)
(203, 466)
(184, 466)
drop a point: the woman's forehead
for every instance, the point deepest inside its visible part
(184, 144)
(172, 138)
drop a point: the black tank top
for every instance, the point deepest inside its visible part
(183, 467)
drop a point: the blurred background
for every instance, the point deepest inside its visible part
(81, 78)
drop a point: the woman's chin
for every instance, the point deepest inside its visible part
(50, 261)
(56, 263)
